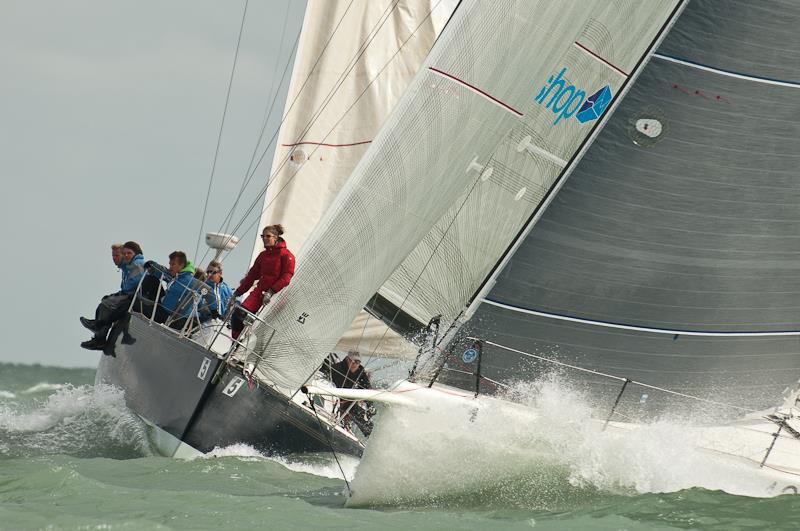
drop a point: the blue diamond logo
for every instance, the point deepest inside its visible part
(595, 105)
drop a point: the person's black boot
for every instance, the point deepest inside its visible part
(90, 324)
(94, 344)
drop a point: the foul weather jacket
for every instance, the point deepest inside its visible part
(176, 290)
(131, 274)
(273, 269)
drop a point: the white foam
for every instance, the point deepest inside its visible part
(7, 394)
(323, 465)
(454, 445)
(73, 419)
(235, 450)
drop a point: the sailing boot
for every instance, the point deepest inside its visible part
(90, 324)
(95, 343)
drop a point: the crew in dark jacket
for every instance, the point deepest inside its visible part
(222, 292)
(272, 270)
(350, 374)
(114, 306)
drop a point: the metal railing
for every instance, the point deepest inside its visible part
(194, 321)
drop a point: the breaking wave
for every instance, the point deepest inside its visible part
(43, 387)
(317, 464)
(545, 448)
(83, 421)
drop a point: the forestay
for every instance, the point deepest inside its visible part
(468, 110)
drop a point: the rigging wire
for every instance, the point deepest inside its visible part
(328, 98)
(611, 376)
(330, 443)
(221, 127)
(275, 133)
(432, 254)
(267, 111)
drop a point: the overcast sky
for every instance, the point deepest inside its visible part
(110, 112)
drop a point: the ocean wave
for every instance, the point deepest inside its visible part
(85, 421)
(7, 394)
(235, 450)
(546, 447)
(322, 465)
(43, 387)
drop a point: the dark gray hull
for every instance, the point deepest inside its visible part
(169, 382)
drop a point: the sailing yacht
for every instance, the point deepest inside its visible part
(608, 188)
(197, 388)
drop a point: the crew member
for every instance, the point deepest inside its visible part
(272, 270)
(350, 374)
(114, 306)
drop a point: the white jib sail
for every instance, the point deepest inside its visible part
(500, 72)
(449, 264)
(354, 61)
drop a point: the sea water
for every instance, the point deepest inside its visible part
(73, 457)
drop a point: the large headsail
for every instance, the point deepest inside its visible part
(354, 61)
(670, 257)
(499, 70)
(442, 274)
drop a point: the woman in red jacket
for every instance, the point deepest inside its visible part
(273, 269)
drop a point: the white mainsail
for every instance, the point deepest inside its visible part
(354, 61)
(502, 75)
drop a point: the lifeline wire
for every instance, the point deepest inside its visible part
(676, 393)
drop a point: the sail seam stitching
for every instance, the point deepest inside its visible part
(308, 142)
(602, 59)
(476, 90)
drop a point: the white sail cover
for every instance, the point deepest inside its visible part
(354, 61)
(501, 72)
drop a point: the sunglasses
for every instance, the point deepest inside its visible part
(212, 272)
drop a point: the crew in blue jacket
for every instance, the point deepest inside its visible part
(222, 292)
(114, 306)
(178, 297)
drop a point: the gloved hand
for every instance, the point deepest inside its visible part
(266, 297)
